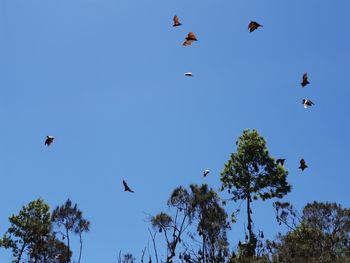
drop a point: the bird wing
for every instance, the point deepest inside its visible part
(125, 184)
(253, 26)
(191, 36)
(250, 25)
(187, 42)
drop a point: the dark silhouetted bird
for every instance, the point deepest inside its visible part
(253, 26)
(49, 140)
(176, 21)
(127, 188)
(280, 161)
(189, 39)
(206, 172)
(305, 80)
(189, 74)
(307, 103)
(302, 165)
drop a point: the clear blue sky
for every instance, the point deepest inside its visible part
(105, 77)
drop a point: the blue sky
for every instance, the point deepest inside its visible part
(105, 77)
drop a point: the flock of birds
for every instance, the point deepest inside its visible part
(191, 37)
(252, 26)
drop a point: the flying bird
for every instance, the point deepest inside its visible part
(253, 26)
(206, 172)
(189, 39)
(127, 188)
(49, 140)
(280, 161)
(189, 74)
(307, 103)
(305, 80)
(302, 165)
(176, 21)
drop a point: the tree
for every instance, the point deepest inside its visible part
(199, 206)
(30, 236)
(50, 250)
(250, 174)
(212, 224)
(174, 227)
(321, 234)
(71, 219)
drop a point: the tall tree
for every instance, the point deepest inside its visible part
(200, 207)
(70, 218)
(212, 224)
(30, 236)
(174, 227)
(251, 173)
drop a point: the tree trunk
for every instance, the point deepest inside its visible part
(203, 249)
(251, 246)
(81, 246)
(249, 218)
(68, 247)
(20, 254)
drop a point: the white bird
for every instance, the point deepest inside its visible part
(307, 103)
(206, 172)
(189, 74)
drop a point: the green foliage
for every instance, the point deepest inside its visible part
(70, 217)
(251, 173)
(323, 235)
(212, 223)
(200, 206)
(163, 221)
(30, 236)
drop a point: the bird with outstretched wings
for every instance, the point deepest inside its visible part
(253, 26)
(189, 39)
(307, 103)
(206, 172)
(126, 187)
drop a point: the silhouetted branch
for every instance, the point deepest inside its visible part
(154, 244)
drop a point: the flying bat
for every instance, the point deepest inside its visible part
(253, 26)
(206, 172)
(302, 165)
(189, 39)
(176, 21)
(49, 140)
(307, 103)
(305, 80)
(127, 188)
